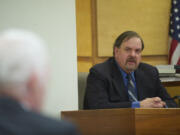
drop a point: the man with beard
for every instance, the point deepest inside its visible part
(123, 81)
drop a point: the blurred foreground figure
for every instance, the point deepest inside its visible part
(23, 79)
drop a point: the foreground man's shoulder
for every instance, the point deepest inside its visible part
(51, 125)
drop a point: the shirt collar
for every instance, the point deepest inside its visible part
(124, 74)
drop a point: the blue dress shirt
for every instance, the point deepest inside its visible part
(124, 75)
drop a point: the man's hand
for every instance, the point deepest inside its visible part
(154, 102)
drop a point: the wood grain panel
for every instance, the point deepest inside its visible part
(157, 121)
(149, 18)
(102, 121)
(156, 59)
(84, 64)
(83, 26)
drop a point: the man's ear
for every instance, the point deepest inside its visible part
(116, 50)
(31, 87)
(32, 82)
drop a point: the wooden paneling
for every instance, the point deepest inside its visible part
(83, 22)
(156, 59)
(97, 30)
(102, 121)
(156, 121)
(147, 17)
(84, 64)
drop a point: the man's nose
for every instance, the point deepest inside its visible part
(133, 53)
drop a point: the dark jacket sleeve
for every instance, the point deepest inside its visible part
(98, 93)
(162, 92)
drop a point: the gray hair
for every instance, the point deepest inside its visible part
(21, 53)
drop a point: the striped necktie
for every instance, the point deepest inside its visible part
(131, 89)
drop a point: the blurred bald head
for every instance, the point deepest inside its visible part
(23, 67)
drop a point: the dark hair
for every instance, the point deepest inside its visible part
(126, 36)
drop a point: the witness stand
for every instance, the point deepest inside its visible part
(126, 121)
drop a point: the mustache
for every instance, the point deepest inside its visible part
(131, 59)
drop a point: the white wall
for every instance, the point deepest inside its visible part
(54, 20)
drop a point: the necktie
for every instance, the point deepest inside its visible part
(131, 89)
